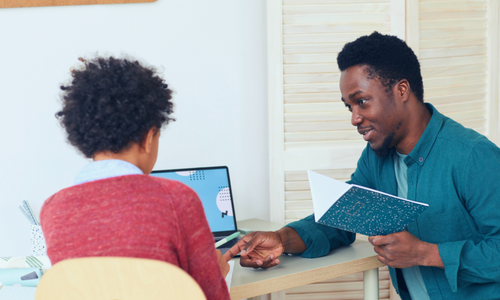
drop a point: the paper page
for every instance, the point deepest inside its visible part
(325, 191)
(229, 276)
(17, 292)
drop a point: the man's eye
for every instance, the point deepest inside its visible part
(361, 102)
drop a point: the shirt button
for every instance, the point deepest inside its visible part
(421, 159)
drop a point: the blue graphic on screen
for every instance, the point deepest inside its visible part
(212, 186)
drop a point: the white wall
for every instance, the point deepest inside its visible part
(213, 55)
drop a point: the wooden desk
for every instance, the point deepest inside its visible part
(295, 271)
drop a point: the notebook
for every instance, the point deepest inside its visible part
(213, 186)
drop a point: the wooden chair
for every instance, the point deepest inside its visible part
(116, 278)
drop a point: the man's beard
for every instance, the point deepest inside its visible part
(386, 145)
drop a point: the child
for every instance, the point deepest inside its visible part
(112, 112)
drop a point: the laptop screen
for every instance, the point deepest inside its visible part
(213, 186)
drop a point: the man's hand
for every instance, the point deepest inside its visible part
(222, 260)
(404, 250)
(259, 249)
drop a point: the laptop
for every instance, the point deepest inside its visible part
(213, 186)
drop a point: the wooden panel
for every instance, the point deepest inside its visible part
(453, 42)
(333, 173)
(309, 58)
(341, 28)
(452, 52)
(318, 126)
(454, 80)
(312, 98)
(453, 70)
(459, 24)
(322, 136)
(335, 287)
(455, 90)
(443, 33)
(354, 295)
(290, 2)
(334, 18)
(312, 78)
(317, 117)
(333, 106)
(322, 37)
(311, 88)
(313, 48)
(456, 98)
(453, 6)
(31, 3)
(453, 61)
(335, 9)
(439, 15)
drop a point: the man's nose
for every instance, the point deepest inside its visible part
(356, 118)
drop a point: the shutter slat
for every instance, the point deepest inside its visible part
(311, 78)
(335, 9)
(298, 2)
(321, 38)
(453, 6)
(452, 52)
(335, 18)
(453, 42)
(453, 61)
(311, 88)
(336, 28)
(453, 70)
(440, 15)
(312, 98)
(454, 80)
(322, 136)
(457, 24)
(318, 126)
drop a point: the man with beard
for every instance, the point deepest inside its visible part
(415, 152)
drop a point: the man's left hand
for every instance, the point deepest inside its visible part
(404, 250)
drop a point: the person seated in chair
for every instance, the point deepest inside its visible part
(113, 111)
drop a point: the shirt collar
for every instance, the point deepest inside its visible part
(103, 169)
(426, 142)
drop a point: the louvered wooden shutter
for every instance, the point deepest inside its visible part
(310, 128)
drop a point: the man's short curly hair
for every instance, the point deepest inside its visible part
(387, 57)
(112, 103)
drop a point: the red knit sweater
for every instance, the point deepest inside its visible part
(134, 216)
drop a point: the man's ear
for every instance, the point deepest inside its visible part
(147, 142)
(402, 90)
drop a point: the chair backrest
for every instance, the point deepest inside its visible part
(116, 278)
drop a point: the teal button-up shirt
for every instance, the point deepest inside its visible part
(457, 172)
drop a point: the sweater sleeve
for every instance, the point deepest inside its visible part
(197, 244)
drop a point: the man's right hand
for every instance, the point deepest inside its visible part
(259, 249)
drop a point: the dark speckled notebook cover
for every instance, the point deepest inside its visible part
(369, 212)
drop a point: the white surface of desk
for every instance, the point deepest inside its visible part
(295, 271)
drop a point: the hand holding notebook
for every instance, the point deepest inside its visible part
(359, 209)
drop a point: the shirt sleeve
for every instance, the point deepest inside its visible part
(197, 243)
(476, 260)
(320, 239)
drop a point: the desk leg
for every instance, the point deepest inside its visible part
(370, 284)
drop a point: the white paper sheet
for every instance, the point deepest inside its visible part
(229, 276)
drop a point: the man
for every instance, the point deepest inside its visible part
(451, 251)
